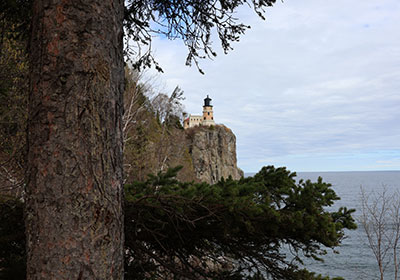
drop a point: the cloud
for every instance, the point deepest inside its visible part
(317, 79)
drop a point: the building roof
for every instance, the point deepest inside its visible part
(207, 101)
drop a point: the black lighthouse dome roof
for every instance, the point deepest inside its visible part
(207, 101)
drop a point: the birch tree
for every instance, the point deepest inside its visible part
(380, 220)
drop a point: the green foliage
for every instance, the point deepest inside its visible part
(13, 98)
(174, 121)
(193, 22)
(12, 239)
(153, 134)
(188, 230)
(18, 14)
(231, 230)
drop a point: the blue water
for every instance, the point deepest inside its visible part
(355, 259)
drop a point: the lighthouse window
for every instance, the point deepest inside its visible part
(204, 117)
(208, 113)
(212, 118)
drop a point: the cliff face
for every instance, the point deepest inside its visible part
(213, 153)
(206, 153)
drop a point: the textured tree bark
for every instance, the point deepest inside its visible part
(74, 218)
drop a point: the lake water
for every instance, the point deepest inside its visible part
(355, 259)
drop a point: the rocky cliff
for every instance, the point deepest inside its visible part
(206, 153)
(213, 153)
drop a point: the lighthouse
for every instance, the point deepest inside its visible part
(208, 116)
(197, 120)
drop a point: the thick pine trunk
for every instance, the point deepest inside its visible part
(74, 216)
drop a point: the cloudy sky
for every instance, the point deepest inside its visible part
(315, 87)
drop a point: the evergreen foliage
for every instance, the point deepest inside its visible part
(193, 22)
(259, 227)
(16, 14)
(231, 230)
(174, 230)
(154, 138)
(13, 99)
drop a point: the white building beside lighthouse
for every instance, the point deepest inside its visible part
(206, 120)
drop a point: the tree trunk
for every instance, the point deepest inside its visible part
(74, 218)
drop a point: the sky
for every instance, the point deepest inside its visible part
(315, 87)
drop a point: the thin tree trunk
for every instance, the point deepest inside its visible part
(395, 262)
(74, 218)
